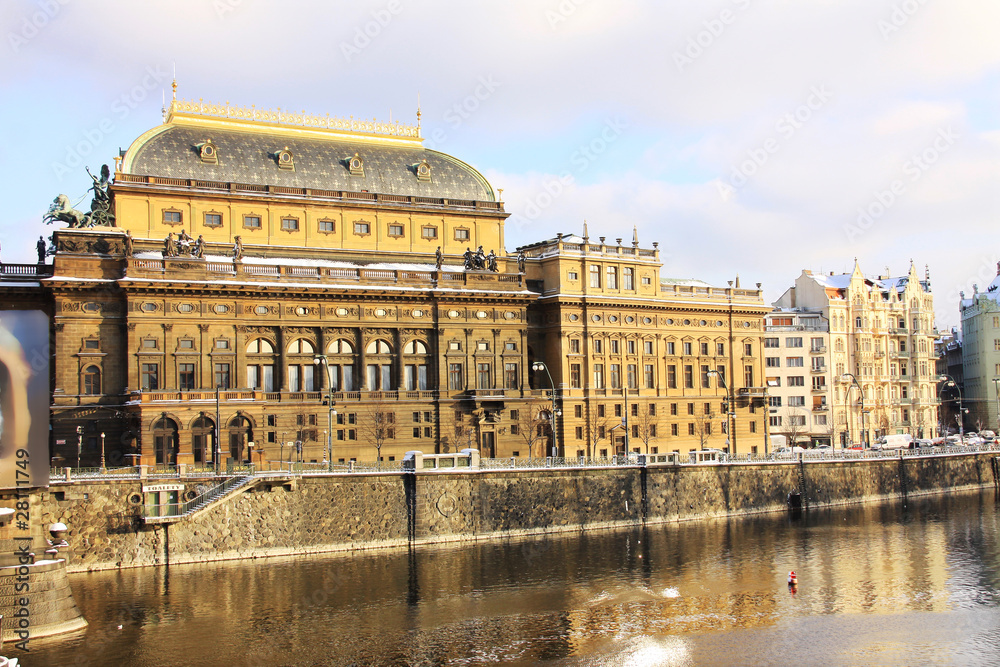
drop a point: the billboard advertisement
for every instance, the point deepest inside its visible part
(24, 399)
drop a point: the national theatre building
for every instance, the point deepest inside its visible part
(259, 286)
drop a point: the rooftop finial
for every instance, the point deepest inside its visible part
(587, 236)
(418, 114)
(635, 237)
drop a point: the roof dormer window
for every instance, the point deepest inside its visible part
(356, 165)
(423, 171)
(285, 159)
(208, 152)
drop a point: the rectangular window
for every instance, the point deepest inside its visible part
(631, 346)
(819, 383)
(575, 376)
(595, 276)
(572, 275)
(794, 362)
(612, 278)
(720, 349)
(673, 409)
(796, 381)
(92, 344)
(706, 381)
(614, 347)
(618, 409)
(796, 401)
(632, 376)
(222, 376)
(647, 347)
(748, 349)
(748, 376)
(793, 342)
(429, 232)
(362, 228)
(213, 219)
(704, 349)
(598, 346)
(634, 408)
(150, 377)
(774, 401)
(628, 278)
(689, 376)
(774, 421)
(172, 217)
(290, 224)
(461, 234)
(690, 429)
(671, 349)
(772, 362)
(771, 342)
(687, 349)
(690, 408)
(510, 376)
(396, 230)
(251, 221)
(673, 429)
(648, 376)
(574, 346)
(599, 376)
(578, 411)
(185, 377)
(600, 411)
(616, 376)
(484, 376)
(672, 376)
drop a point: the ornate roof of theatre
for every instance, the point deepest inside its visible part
(292, 150)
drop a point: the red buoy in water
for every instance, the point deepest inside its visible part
(792, 579)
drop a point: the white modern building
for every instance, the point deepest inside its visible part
(981, 356)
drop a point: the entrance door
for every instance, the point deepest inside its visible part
(236, 447)
(165, 441)
(489, 444)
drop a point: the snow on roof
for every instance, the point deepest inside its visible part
(685, 282)
(836, 281)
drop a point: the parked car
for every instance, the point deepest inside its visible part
(856, 447)
(894, 441)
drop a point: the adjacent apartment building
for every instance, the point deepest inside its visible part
(981, 356)
(863, 348)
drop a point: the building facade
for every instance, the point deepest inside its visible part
(269, 286)
(881, 351)
(798, 376)
(980, 350)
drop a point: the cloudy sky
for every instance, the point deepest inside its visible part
(747, 137)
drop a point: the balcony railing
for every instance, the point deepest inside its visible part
(253, 395)
(16, 271)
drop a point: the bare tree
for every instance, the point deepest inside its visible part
(703, 427)
(379, 424)
(597, 427)
(530, 420)
(645, 424)
(793, 428)
(463, 435)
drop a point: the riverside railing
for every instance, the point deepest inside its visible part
(298, 468)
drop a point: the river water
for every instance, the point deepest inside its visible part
(889, 585)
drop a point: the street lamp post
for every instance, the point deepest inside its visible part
(322, 361)
(102, 450)
(216, 452)
(79, 444)
(538, 366)
(849, 377)
(949, 381)
(730, 412)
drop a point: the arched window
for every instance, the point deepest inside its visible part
(91, 380)
(165, 441)
(301, 376)
(379, 365)
(203, 439)
(240, 431)
(260, 365)
(415, 365)
(340, 357)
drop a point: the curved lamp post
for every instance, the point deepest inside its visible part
(949, 381)
(322, 361)
(730, 412)
(538, 366)
(849, 377)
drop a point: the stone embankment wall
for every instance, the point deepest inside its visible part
(342, 512)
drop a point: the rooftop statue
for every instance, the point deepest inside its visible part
(100, 206)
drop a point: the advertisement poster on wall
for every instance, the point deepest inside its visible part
(24, 399)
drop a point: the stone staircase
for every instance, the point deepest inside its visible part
(157, 514)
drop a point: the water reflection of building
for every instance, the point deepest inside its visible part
(249, 244)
